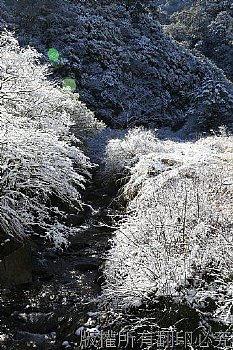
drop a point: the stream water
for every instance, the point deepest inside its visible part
(65, 285)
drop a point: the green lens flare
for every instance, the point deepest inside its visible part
(53, 55)
(69, 83)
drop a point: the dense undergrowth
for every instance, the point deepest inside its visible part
(176, 237)
(204, 26)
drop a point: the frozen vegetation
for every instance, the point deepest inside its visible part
(176, 236)
(205, 26)
(42, 164)
(127, 71)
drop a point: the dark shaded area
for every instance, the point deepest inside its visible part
(207, 27)
(65, 283)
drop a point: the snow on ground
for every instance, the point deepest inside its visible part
(176, 237)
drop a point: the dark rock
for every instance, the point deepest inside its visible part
(79, 245)
(76, 219)
(87, 264)
(41, 340)
(8, 244)
(43, 275)
(16, 268)
(37, 322)
(41, 268)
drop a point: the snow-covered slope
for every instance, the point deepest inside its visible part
(176, 237)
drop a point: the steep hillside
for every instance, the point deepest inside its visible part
(126, 69)
(207, 27)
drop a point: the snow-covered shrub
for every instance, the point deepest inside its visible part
(27, 93)
(42, 165)
(121, 154)
(177, 237)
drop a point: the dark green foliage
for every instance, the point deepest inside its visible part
(213, 106)
(206, 26)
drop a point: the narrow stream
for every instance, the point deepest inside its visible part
(65, 285)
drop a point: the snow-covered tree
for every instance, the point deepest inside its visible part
(42, 164)
(211, 107)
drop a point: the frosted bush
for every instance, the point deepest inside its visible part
(27, 93)
(42, 165)
(35, 166)
(178, 230)
(121, 154)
